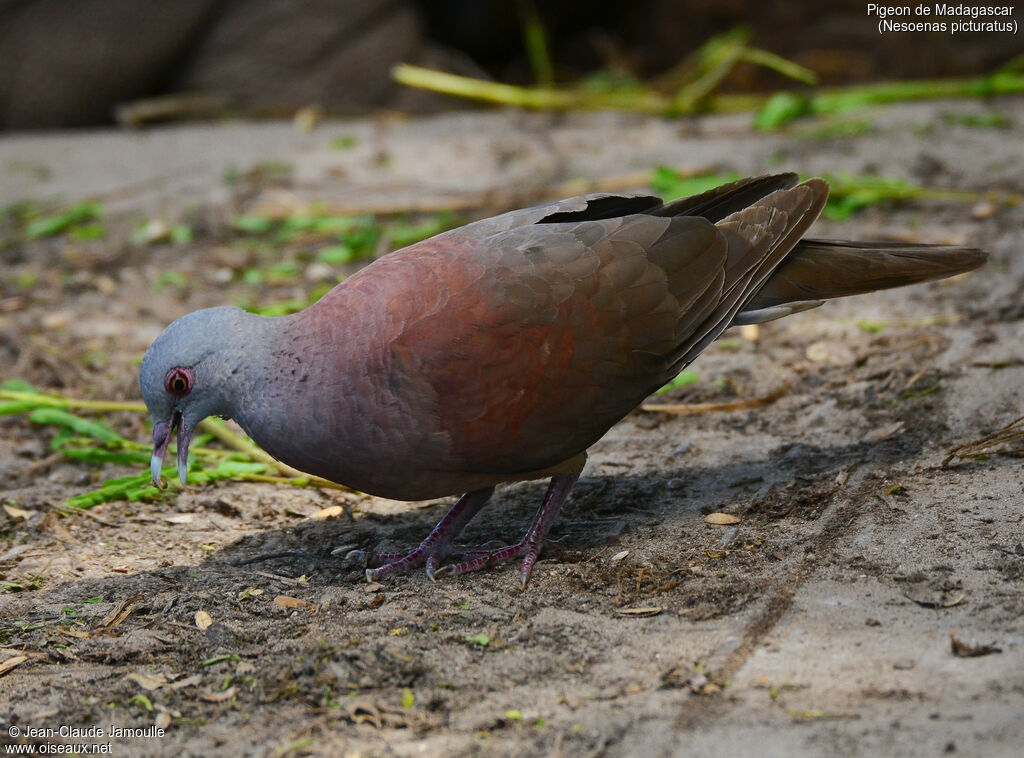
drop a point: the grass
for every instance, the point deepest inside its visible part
(91, 441)
(81, 215)
(335, 240)
(783, 107)
(686, 89)
(692, 86)
(849, 194)
(359, 235)
(683, 379)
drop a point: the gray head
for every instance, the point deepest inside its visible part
(185, 376)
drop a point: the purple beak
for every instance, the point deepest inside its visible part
(162, 432)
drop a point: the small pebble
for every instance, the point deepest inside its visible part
(983, 210)
(318, 272)
(721, 519)
(56, 320)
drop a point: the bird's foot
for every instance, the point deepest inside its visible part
(437, 546)
(529, 547)
(387, 564)
(479, 559)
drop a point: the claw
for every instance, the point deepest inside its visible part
(438, 545)
(434, 575)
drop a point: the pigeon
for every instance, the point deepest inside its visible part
(502, 350)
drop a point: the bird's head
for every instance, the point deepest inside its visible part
(183, 377)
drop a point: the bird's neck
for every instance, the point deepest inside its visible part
(286, 369)
(253, 363)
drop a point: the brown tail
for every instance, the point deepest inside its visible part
(820, 270)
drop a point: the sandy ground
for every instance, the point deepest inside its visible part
(824, 622)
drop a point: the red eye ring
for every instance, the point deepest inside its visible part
(178, 381)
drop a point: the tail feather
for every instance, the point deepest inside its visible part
(825, 269)
(773, 312)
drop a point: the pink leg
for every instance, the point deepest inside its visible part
(530, 546)
(438, 544)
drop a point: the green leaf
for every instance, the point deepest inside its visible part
(139, 487)
(404, 234)
(58, 417)
(478, 639)
(344, 142)
(280, 308)
(322, 226)
(226, 470)
(281, 273)
(181, 234)
(18, 385)
(920, 393)
(98, 455)
(8, 409)
(169, 279)
(115, 489)
(50, 226)
(781, 108)
(336, 255)
(226, 658)
(252, 224)
(872, 327)
(850, 194)
(88, 232)
(683, 379)
(408, 699)
(670, 185)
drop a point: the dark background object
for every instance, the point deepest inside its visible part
(71, 64)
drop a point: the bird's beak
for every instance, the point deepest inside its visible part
(162, 432)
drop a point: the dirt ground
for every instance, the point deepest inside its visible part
(827, 620)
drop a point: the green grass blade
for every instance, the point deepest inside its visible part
(100, 456)
(8, 409)
(58, 417)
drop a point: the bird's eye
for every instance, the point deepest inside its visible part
(179, 381)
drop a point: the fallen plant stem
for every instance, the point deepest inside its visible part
(558, 99)
(987, 444)
(774, 110)
(849, 193)
(220, 431)
(687, 409)
(90, 441)
(59, 401)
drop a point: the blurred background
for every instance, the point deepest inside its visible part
(83, 63)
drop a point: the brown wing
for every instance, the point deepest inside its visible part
(568, 326)
(552, 343)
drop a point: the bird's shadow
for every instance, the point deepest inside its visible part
(600, 508)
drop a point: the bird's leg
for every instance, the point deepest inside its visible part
(530, 546)
(439, 542)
